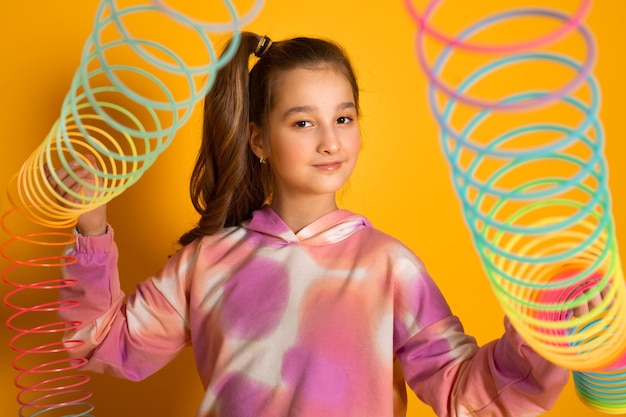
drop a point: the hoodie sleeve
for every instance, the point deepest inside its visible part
(129, 337)
(448, 371)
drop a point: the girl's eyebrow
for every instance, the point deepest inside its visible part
(298, 109)
(312, 109)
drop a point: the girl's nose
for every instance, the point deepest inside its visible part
(329, 143)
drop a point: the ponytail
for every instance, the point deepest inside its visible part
(226, 185)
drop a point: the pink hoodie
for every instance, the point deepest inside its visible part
(330, 321)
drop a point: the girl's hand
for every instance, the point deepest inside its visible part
(585, 308)
(90, 223)
(582, 288)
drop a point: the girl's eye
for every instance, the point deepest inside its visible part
(303, 123)
(344, 120)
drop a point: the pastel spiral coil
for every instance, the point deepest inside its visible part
(529, 170)
(128, 98)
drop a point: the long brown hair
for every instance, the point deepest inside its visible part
(228, 183)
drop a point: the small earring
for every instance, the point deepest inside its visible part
(263, 160)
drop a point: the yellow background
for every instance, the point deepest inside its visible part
(402, 183)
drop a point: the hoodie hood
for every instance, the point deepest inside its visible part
(330, 228)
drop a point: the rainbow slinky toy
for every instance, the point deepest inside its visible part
(122, 109)
(521, 133)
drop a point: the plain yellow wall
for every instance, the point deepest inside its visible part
(402, 183)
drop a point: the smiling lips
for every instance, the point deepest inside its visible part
(329, 166)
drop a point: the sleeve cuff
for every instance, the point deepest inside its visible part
(94, 244)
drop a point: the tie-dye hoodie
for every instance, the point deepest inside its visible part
(329, 321)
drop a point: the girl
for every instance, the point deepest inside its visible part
(293, 307)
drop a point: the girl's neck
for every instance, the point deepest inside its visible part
(304, 211)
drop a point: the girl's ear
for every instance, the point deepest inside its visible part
(257, 142)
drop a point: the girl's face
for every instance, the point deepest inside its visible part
(314, 137)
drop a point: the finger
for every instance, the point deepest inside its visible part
(581, 310)
(64, 180)
(91, 158)
(594, 302)
(71, 194)
(75, 179)
(585, 305)
(605, 291)
(588, 306)
(60, 174)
